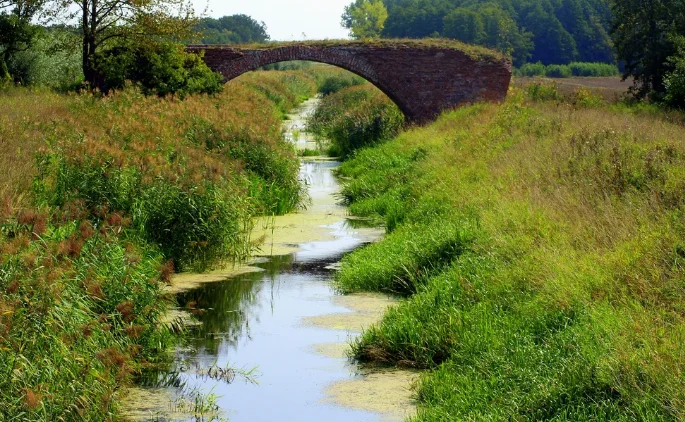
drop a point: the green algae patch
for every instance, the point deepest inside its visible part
(367, 309)
(333, 350)
(281, 235)
(184, 282)
(389, 393)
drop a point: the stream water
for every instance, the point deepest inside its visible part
(281, 318)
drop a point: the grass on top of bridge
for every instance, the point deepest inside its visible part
(473, 51)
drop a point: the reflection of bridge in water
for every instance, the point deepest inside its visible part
(423, 78)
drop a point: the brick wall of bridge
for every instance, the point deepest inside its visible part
(423, 82)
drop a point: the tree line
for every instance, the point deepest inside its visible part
(645, 37)
(101, 44)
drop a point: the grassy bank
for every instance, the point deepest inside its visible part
(353, 116)
(101, 199)
(539, 247)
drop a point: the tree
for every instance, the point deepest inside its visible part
(464, 25)
(674, 82)
(17, 32)
(644, 37)
(365, 18)
(235, 29)
(103, 21)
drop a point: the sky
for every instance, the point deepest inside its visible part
(286, 20)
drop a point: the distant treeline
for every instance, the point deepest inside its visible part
(234, 29)
(546, 31)
(567, 70)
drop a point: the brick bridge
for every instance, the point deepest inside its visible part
(422, 77)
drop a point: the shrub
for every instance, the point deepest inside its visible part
(160, 69)
(583, 69)
(354, 118)
(557, 71)
(333, 84)
(531, 69)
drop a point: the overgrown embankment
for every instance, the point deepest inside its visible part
(539, 246)
(125, 190)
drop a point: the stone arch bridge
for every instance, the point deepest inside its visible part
(423, 77)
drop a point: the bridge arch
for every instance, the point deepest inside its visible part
(422, 79)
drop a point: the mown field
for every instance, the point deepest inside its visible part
(101, 200)
(538, 248)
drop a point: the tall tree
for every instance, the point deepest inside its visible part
(234, 29)
(17, 32)
(365, 18)
(104, 21)
(643, 34)
(464, 25)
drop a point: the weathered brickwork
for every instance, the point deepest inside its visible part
(423, 82)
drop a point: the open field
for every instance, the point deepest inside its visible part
(610, 88)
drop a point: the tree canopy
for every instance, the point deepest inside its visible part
(549, 31)
(235, 29)
(365, 18)
(648, 39)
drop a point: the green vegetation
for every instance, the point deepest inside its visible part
(116, 200)
(552, 32)
(234, 29)
(648, 38)
(355, 117)
(539, 251)
(160, 69)
(365, 18)
(566, 71)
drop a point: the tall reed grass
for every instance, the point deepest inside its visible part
(355, 117)
(564, 300)
(101, 200)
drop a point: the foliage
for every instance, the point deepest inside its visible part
(80, 313)
(234, 29)
(553, 32)
(354, 118)
(291, 65)
(565, 71)
(160, 69)
(118, 192)
(335, 83)
(565, 301)
(365, 18)
(105, 21)
(644, 37)
(54, 60)
(674, 82)
(17, 32)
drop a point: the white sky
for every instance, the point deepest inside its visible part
(286, 20)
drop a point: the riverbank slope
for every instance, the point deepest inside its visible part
(539, 247)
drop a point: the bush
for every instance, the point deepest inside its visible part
(539, 91)
(335, 83)
(160, 69)
(291, 65)
(531, 69)
(53, 61)
(354, 118)
(593, 69)
(675, 80)
(580, 69)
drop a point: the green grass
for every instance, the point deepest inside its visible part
(538, 245)
(123, 191)
(474, 51)
(355, 117)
